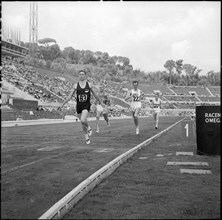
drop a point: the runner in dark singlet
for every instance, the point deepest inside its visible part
(82, 98)
(83, 90)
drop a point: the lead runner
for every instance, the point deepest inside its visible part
(83, 90)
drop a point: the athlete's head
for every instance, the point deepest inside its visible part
(135, 84)
(82, 75)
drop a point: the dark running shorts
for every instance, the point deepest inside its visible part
(80, 108)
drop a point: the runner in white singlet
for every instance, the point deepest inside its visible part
(135, 95)
(156, 109)
(102, 108)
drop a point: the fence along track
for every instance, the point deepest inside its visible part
(63, 206)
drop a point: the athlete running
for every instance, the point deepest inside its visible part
(156, 108)
(103, 108)
(82, 90)
(136, 95)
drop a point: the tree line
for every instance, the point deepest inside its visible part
(102, 66)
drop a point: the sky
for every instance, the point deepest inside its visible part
(147, 32)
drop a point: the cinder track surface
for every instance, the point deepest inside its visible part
(40, 164)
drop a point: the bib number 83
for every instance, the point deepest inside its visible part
(82, 98)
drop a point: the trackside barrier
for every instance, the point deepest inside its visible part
(63, 206)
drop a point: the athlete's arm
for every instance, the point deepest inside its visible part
(128, 96)
(69, 97)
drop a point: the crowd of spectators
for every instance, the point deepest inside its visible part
(39, 85)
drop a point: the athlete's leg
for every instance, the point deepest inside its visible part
(154, 115)
(136, 120)
(133, 114)
(98, 113)
(105, 115)
(157, 119)
(84, 122)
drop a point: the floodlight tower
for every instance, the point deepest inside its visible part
(33, 27)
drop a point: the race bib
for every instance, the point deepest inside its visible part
(82, 98)
(136, 98)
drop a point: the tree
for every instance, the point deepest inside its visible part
(62, 63)
(48, 49)
(203, 82)
(179, 66)
(67, 53)
(54, 51)
(170, 65)
(46, 42)
(190, 72)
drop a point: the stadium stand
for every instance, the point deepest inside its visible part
(209, 99)
(148, 89)
(215, 90)
(180, 98)
(186, 90)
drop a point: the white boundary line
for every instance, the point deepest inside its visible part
(195, 171)
(63, 206)
(188, 163)
(51, 121)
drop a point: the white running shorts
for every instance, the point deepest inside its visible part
(135, 105)
(156, 110)
(99, 108)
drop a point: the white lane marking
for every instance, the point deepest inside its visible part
(102, 150)
(184, 153)
(48, 148)
(195, 171)
(188, 163)
(159, 155)
(142, 158)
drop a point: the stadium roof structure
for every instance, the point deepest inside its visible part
(13, 50)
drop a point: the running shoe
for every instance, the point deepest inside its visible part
(88, 141)
(108, 124)
(137, 131)
(156, 127)
(97, 131)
